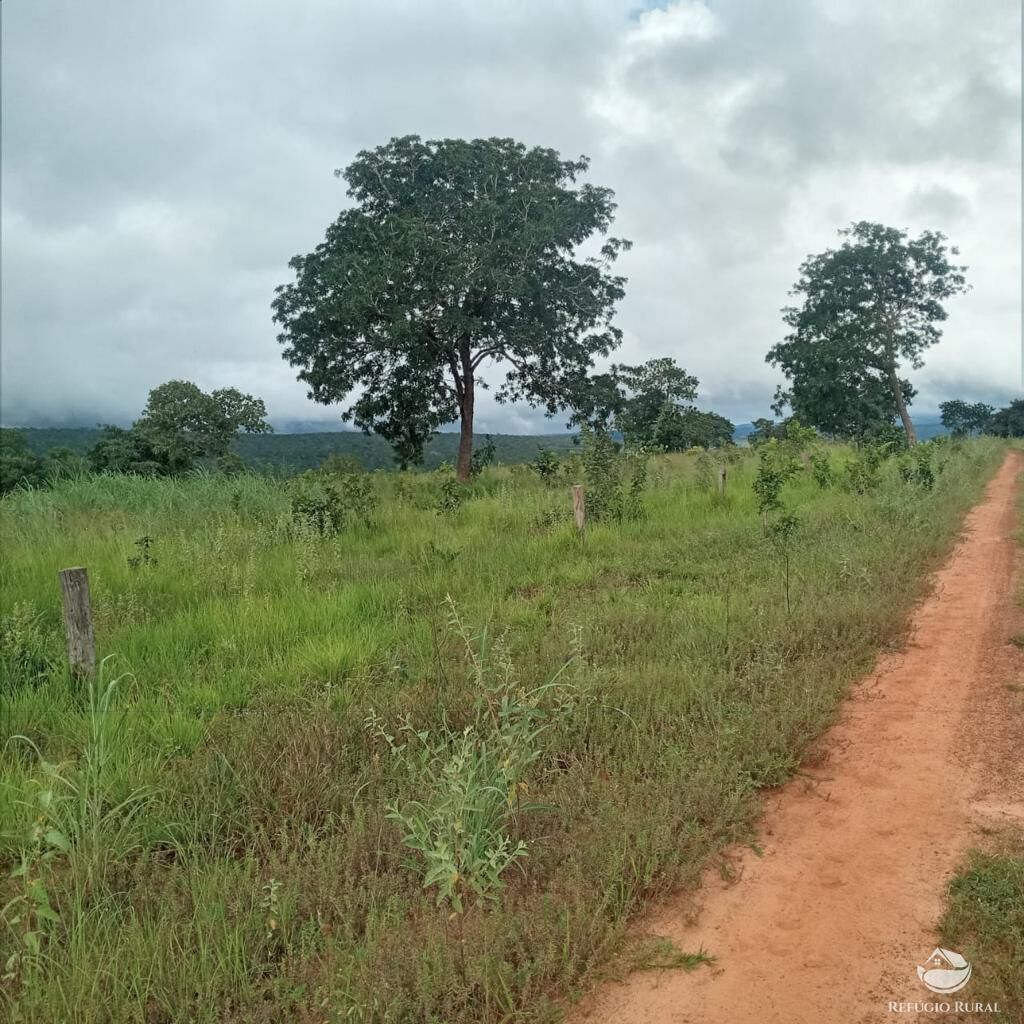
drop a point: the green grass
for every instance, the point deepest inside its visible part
(984, 920)
(258, 875)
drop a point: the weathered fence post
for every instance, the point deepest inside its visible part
(579, 506)
(74, 589)
(721, 481)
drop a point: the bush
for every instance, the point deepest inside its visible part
(546, 465)
(614, 481)
(326, 504)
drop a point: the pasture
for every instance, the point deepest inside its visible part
(423, 763)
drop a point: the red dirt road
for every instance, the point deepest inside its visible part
(829, 924)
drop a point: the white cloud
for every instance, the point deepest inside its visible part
(162, 164)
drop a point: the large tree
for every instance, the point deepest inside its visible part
(868, 306)
(456, 254)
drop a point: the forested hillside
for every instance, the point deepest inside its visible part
(289, 453)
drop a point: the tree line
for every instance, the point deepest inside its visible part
(457, 256)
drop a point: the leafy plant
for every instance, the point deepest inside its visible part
(546, 465)
(821, 470)
(614, 480)
(483, 457)
(916, 467)
(326, 503)
(144, 557)
(451, 497)
(781, 533)
(775, 466)
(471, 780)
(80, 805)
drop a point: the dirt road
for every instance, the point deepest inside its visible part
(829, 924)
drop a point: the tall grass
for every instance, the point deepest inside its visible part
(265, 879)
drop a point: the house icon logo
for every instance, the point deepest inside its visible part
(945, 972)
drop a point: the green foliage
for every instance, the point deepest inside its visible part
(470, 780)
(916, 467)
(648, 405)
(451, 495)
(874, 301)
(180, 428)
(19, 466)
(821, 469)
(144, 557)
(246, 727)
(678, 430)
(984, 919)
(863, 471)
(26, 651)
(962, 419)
(326, 503)
(775, 467)
(614, 480)
(1009, 421)
(453, 254)
(546, 465)
(289, 454)
(482, 457)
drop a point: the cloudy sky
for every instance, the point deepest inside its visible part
(163, 161)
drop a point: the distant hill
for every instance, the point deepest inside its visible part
(288, 452)
(928, 426)
(295, 452)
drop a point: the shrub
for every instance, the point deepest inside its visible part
(821, 470)
(326, 504)
(614, 481)
(483, 456)
(470, 781)
(546, 465)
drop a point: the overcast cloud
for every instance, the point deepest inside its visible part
(163, 161)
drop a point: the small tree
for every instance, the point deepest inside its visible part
(874, 301)
(454, 255)
(962, 418)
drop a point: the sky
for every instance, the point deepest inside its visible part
(162, 162)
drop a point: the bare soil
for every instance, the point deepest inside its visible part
(827, 921)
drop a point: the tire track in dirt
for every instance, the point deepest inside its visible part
(828, 925)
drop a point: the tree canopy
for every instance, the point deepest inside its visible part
(19, 465)
(649, 405)
(456, 254)
(875, 301)
(1009, 421)
(181, 427)
(962, 418)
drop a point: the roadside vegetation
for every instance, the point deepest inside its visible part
(387, 747)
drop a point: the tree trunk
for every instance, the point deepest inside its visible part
(901, 406)
(464, 464)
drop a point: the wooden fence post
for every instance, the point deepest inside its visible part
(721, 481)
(579, 506)
(74, 589)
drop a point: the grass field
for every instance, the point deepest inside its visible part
(209, 837)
